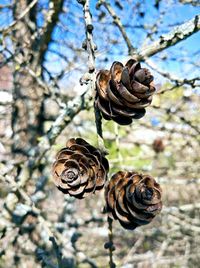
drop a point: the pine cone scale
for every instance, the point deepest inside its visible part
(121, 203)
(124, 92)
(133, 69)
(103, 107)
(120, 214)
(125, 78)
(111, 198)
(64, 154)
(124, 112)
(81, 170)
(133, 199)
(102, 83)
(116, 71)
(113, 98)
(139, 219)
(143, 76)
(137, 87)
(100, 178)
(76, 192)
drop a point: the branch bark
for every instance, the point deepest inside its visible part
(177, 35)
(19, 17)
(91, 48)
(194, 3)
(56, 7)
(118, 23)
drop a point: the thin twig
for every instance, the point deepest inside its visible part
(57, 251)
(118, 23)
(98, 121)
(194, 3)
(175, 36)
(193, 82)
(91, 47)
(110, 244)
(119, 156)
(23, 14)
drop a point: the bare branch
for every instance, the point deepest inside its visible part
(118, 23)
(6, 29)
(57, 251)
(67, 114)
(193, 82)
(91, 47)
(195, 3)
(177, 35)
(56, 8)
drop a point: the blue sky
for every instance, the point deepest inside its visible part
(74, 33)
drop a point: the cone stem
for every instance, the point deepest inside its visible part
(98, 121)
(116, 127)
(111, 245)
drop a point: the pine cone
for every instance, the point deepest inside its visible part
(124, 92)
(132, 199)
(80, 169)
(158, 145)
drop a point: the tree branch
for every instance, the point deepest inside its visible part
(56, 6)
(193, 82)
(110, 245)
(31, 5)
(177, 35)
(118, 23)
(67, 114)
(194, 3)
(57, 251)
(91, 47)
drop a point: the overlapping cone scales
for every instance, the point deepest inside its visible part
(132, 199)
(80, 169)
(124, 92)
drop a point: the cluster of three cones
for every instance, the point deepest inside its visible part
(122, 94)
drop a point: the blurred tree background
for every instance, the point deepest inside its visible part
(46, 98)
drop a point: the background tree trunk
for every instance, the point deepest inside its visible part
(27, 121)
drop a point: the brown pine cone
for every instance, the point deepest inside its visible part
(80, 169)
(133, 199)
(158, 145)
(124, 92)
